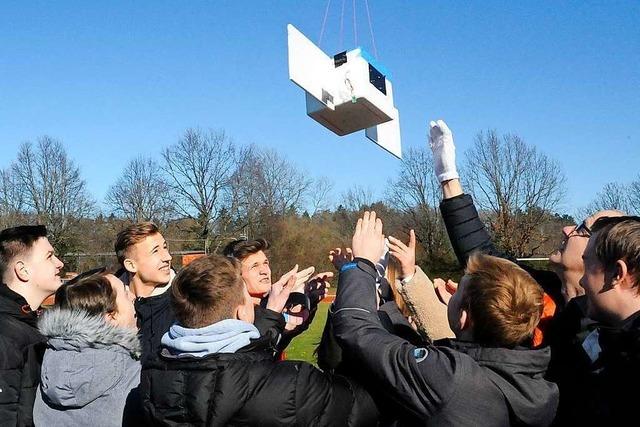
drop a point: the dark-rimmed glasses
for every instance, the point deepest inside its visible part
(581, 230)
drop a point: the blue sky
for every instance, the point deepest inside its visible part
(117, 79)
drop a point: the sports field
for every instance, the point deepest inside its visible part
(302, 347)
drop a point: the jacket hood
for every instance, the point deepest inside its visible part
(225, 336)
(86, 357)
(76, 330)
(519, 374)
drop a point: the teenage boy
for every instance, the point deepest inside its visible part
(611, 282)
(142, 251)
(30, 272)
(256, 274)
(216, 370)
(570, 325)
(484, 377)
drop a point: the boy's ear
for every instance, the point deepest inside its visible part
(465, 320)
(621, 276)
(130, 266)
(21, 271)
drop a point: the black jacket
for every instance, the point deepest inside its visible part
(610, 394)
(468, 234)
(250, 388)
(155, 316)
(21, 351)
(570, 367)
(450, 384)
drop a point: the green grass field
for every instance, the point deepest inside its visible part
(302, 346)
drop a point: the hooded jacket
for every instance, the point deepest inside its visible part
(247, 387)
(155, 316)
(21, 350)
(609, 394)
(90, 370)
(570, 366)
(451, 383)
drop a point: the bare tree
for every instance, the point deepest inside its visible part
(614, 195)
(634, 196)
(284, 187)
(319, 195)
(357, 198)
(53, 189)
(517, 186)
(416, 193)
(266, 185)
(11, 199)
(199, 167)
(141, 193)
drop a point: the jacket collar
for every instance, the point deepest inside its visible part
(622, 342)
(13, 304)
(258, 349)
(522, 359)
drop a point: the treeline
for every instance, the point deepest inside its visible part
(207, 189)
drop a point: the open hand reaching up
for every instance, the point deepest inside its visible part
(368, 240)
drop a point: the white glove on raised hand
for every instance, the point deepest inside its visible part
(444, 151)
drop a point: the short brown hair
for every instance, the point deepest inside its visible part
(207, 291)
(618, 238)
(16, 241)
(504, 302)
(242, 248)
(93, 294)
(131, 235)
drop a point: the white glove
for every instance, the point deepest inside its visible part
(444, 151)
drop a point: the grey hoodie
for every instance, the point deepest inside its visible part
(89, 370)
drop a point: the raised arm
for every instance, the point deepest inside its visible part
(420, 379)
(466, 232)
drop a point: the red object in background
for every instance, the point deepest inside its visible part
(189, 258)
(549, 309)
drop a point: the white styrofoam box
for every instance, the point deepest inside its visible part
(343, 98)
(357, 104)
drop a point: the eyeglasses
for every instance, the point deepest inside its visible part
(581, 230)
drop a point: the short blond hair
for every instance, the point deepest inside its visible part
(504, 302)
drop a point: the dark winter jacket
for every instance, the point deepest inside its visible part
(250, 388)
(155, 316)
(570, 367)
(21, 350)
(449, 384)
(89, 372)
(610, 394)
(468, 234)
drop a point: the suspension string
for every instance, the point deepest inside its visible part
(373, 40)
(342, 25)
(355, 26)
(324, 22)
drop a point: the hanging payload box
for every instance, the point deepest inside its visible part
(346, 93)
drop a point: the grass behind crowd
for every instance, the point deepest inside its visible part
(302, 346)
